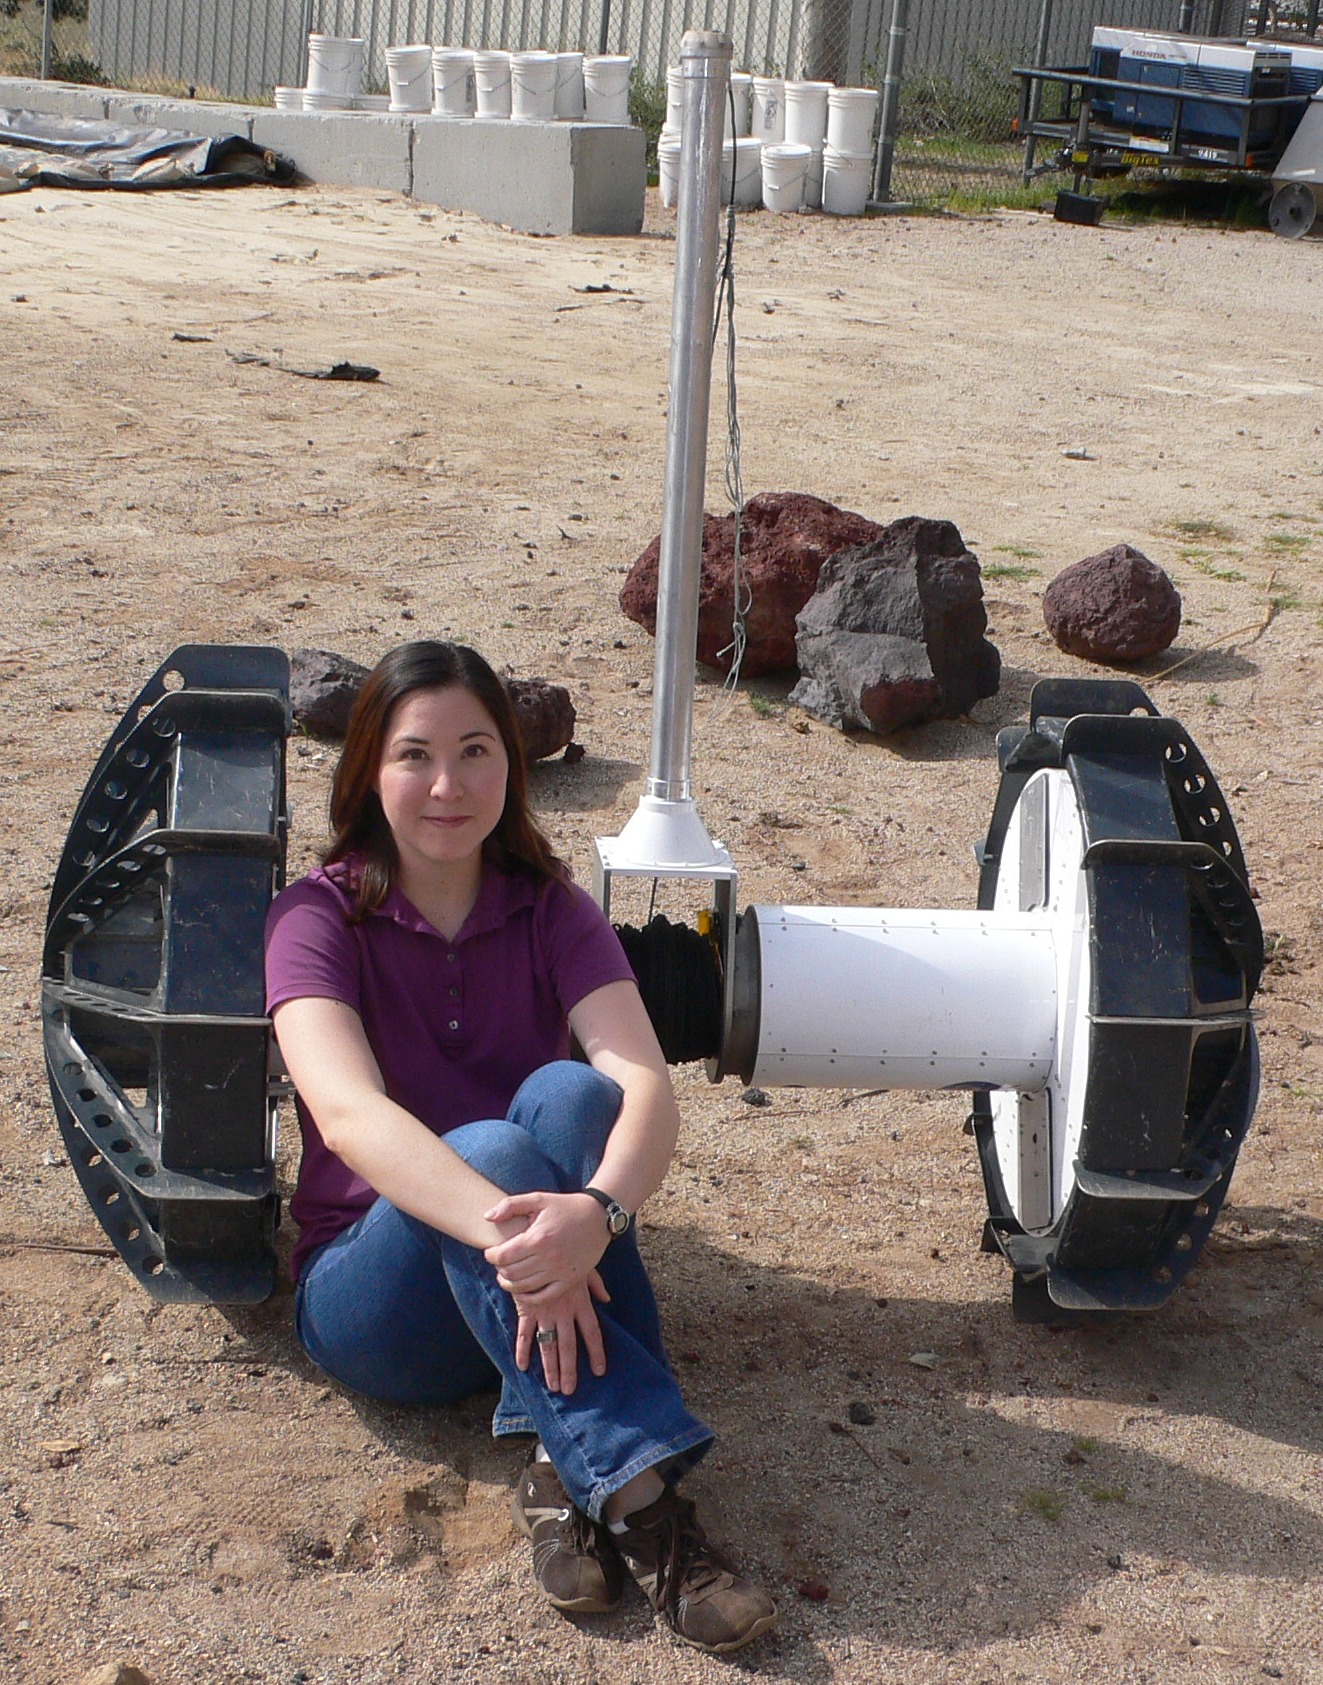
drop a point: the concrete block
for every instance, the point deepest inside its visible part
(541, 178)
(184, 116)
(52, 99)
(346, 148)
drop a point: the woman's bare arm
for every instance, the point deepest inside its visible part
(335, 1071)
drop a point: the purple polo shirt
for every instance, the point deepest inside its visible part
(457, 1026)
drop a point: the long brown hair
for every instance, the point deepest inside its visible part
(358, 823)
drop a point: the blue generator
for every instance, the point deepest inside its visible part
(1194, 65)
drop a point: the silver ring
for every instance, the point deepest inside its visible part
(546, 1336)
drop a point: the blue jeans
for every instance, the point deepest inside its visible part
(397, 1310)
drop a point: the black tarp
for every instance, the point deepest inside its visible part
(37, 150)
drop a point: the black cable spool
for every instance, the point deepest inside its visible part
(678, 970)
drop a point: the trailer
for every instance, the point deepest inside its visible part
(1167, 102)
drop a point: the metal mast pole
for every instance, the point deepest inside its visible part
(705, 58)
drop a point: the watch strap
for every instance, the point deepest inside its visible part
(618, 1220)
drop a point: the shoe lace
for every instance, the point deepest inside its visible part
(687, 1563)
(577, 1531)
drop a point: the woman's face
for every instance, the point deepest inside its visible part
(442, 777)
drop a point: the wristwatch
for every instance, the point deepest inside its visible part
(618, 1220)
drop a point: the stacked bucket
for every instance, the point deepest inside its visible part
(791, 145)
(466, 82)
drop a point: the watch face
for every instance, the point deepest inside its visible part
(617, 1219)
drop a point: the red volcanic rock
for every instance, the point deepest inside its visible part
(1116, 606)
(786, 538)
(545, 714)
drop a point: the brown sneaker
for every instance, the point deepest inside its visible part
(573, 1563)
(697, 1590)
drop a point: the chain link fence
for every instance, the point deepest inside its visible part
(950, 102)
(959, 99)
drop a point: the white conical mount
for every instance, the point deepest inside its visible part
(665, 837)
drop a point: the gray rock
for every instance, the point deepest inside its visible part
(1116, 606)
(893, 634)
(322, 689)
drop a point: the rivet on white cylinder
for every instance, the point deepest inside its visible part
(606, 88)
(806, 112)
(850, 115)
(491, 83)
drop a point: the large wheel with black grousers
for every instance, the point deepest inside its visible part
(1103, 1185)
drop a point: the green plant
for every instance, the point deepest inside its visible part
(1199, 559)
(1287, 541)
(76, 67)
(1280, 600)
(1019, 551)
(1108, 1494)
(1214, 700)
(647, 109)
(766, 707)
(981, 105)
(1202, 527)
(1007, 570)
(1041, 1500)
(1085, 1444)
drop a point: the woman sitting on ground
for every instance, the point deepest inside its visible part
(467, 1194)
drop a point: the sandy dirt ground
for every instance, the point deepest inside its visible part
(1141, 1501)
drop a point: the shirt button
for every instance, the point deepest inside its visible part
(453, 993)
(454, 1023)
(450, 959)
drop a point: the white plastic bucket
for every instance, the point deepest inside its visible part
(768, 123)
(847, 179)
(374, 102)
(410, 72)
(569, 86)
(813, 180)
(741, 97)
(606, 88)
(668, 168)
(785, 173)
(452, 82)
(806, 112)
(335, 64)
(743, 156)
(288, 99)
(850, 114)
(315, 101)
(491, 84)
(533, 87)
(674, 96)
